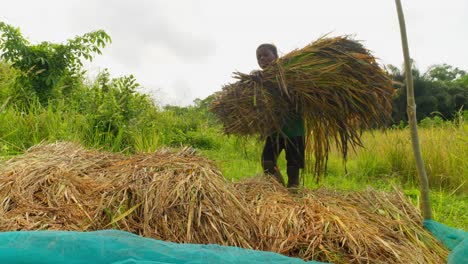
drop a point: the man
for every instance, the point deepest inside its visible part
(291, 137)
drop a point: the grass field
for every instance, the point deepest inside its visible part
(385, 160)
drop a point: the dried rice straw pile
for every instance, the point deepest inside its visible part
(340, 227)
(54, 187)
(172, 196)
(334, 83)
(183, 199)
(180, 197)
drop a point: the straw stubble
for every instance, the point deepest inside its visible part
(181, 197)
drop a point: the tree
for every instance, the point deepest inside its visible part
(432, 94)
(443, 72)
(44, 65)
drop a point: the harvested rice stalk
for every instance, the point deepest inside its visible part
(177, 196)
(334, 83)
(340, 227)
(184, 199)
(174, 196)
(50, 188)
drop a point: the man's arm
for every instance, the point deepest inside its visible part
(257, 76)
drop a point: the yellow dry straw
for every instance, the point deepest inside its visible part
(181, 197)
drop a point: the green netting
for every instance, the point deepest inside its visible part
(455, 240)
(119, 247)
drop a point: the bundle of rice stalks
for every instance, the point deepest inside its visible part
(340, 227)
(246, 108)
(183, 198)
(58, 187)
(173, 196)
(335, 84)
(180, 197)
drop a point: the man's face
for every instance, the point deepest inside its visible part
(265, 57)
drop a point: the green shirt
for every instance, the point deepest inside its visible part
(294, 126)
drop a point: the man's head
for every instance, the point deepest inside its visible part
(266, 55)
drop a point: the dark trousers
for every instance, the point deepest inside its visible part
(294, 147)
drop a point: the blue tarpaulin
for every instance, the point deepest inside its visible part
(119, 247)
(455, 240)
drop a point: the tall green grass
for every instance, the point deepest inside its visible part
(384, 166)
(20, 130)
(389, 153)
(386, 158)
(386, 155)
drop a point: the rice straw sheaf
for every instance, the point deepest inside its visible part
(54, 187)
(166, 195)
(340, 227)
(334, 83)
(183, 199)
(176, 195)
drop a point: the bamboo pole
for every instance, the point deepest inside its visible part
(411, 110)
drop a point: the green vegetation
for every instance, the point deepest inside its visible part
(442, 90)
(47, 68)
(111, 114)
(385, 161)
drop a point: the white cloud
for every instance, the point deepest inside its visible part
(142, 28)
(186, 49)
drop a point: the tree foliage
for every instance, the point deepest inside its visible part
(45, 65)
(444, 73)
(441, 90)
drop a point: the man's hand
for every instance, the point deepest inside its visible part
(257, 76)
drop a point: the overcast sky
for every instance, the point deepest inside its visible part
(182, 50)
